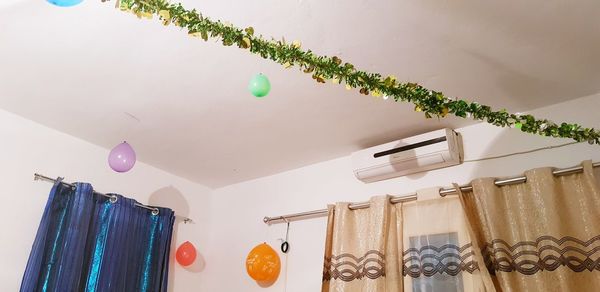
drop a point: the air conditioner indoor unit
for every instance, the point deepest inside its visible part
(433, 150)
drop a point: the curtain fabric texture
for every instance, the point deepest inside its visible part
(542, 235)
(438, 253)
(417, 246)
(87, 242)
(364, 248)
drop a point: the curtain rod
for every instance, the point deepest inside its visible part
(412, 197)
(155, 211)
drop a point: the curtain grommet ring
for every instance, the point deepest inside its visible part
(155, 211)
(113, 199)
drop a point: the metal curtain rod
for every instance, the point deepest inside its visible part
(113, 198)
(412, 197)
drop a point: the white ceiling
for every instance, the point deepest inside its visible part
(81, 69)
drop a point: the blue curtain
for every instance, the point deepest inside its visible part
(86, 242)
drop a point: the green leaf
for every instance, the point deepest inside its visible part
(336, 60)
(245, 43)
(432, 103)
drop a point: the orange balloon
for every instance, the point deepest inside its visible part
(186, 254)
(263, 264)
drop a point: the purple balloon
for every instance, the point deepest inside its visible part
(121, 158)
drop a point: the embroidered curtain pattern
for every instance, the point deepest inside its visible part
(438, 253)
(364, 248)
(542, 235)
(401, 247)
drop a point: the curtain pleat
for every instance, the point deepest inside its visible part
(76, 237)
(421, 246)
(542, 235)
(85, 242)
(438, 251)
(363, 250)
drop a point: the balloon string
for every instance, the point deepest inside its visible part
(287, 263)
(266, 237)
(286, 273)
(287, 231)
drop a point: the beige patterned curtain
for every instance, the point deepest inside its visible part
(438, 254)
(363, 248)
(542, 235)
(421, 246)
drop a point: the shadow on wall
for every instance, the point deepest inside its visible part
(266, 284)
(198, 265)
(172, 198)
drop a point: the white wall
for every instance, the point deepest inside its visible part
(27, 147)
(237, 210)
(234, 213)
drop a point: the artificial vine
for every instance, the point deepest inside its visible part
(431, 103)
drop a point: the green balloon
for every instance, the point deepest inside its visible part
(259, 85)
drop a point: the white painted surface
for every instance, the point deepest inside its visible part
(27, 147)
(228, 220)
(237, 210)
(77, 68)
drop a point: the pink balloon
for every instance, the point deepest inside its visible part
(121, 158)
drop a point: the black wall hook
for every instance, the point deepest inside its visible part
(285, 246)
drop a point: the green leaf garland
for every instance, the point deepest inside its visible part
(431, 103)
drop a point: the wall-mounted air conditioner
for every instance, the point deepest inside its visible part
(433, 150)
